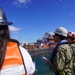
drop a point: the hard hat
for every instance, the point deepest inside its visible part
(71, 34)
(3, 19)
(61, 31)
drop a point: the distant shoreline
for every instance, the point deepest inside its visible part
(40, 51)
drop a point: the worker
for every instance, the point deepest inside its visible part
(71, 40)
(61, 62)
(14, 59)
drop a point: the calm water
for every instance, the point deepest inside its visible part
(41, 67)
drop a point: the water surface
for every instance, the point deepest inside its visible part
(41, 67)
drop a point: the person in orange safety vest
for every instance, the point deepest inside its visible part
(14, 59)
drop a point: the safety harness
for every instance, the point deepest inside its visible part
(55, 51)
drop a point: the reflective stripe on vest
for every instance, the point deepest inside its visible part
(13, 64)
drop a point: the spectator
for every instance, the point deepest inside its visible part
(71, 40)
(61, 62)
(14, 60)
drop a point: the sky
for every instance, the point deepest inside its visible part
(32, 18)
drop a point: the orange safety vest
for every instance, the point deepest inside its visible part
(13, 62)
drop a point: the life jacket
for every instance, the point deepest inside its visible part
(13, 62)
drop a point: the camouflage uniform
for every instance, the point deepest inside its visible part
(63, 60)
(73, 48)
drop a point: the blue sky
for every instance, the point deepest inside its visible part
(32, 18)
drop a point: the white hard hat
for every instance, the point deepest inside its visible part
(61, 31)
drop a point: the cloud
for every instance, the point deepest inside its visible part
(13, 29)
(51, 33)
(21, 3)
(71, 13)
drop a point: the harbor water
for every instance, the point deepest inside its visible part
(41, 67)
